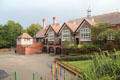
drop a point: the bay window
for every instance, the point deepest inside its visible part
(51, 36)
(65, 35)
(85, 34)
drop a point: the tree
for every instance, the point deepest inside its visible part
(33, 29)
(104, 35)
(10, 31)
(99, 28)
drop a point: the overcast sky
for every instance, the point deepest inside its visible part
(27, 12)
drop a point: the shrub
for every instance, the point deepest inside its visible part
(111, 45)
(88, 46)
(77, 58)
(103, 68)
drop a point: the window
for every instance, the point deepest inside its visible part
(28, 39)
(51, 36)
(85, 34)
(65, 35)
(111, 37)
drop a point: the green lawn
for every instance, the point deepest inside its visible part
(82, 65)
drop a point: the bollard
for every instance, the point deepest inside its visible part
(33, 76)
(15, 74)
(56, 74)
(51, 67)
(60, 69)
(53, 70)
(41, 77)
(64, 74)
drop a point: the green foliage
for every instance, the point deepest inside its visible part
(9, 33)
(33, 29)
(87, 46)
(69, 45)
(98, 28)
(77, 58)
(103, 68)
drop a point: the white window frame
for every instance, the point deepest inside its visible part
(51, 36)
(85, 34)
(110, 37)
(65, 35)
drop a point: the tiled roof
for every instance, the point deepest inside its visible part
(24, 35)
(41, 33)
(89, 21)
(74, 24)
(56, 27)
(73, 27)
(113, 18)
(76, 21)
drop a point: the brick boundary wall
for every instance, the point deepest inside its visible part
(5, 49)
(31, 49)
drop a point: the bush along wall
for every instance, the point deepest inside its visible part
(88, 48)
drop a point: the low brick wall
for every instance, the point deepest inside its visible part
(5, 49)
(32, 49)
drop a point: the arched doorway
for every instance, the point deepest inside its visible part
(58, 50)
(44, 49)
(51, 50)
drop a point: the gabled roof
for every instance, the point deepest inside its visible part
(41, 33)
(85, 20)
(76, 21)
(56, 27)
(113, 18)
(24, 35)
(73, 27)
(90, 22)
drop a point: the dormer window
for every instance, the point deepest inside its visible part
(65, 35)
(51, 36)
(85, 34)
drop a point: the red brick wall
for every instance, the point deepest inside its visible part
(20, 49)
(35, 48)
(116, 27)
(32, 49)
(5, 49)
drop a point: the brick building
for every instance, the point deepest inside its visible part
(52, 36)
(25, 45)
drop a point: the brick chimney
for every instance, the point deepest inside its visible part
(44, 23)
(54, 20)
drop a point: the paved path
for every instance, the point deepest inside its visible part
(25, 65)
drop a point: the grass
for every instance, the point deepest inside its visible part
(79, 65)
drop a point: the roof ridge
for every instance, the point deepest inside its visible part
(107, 13)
